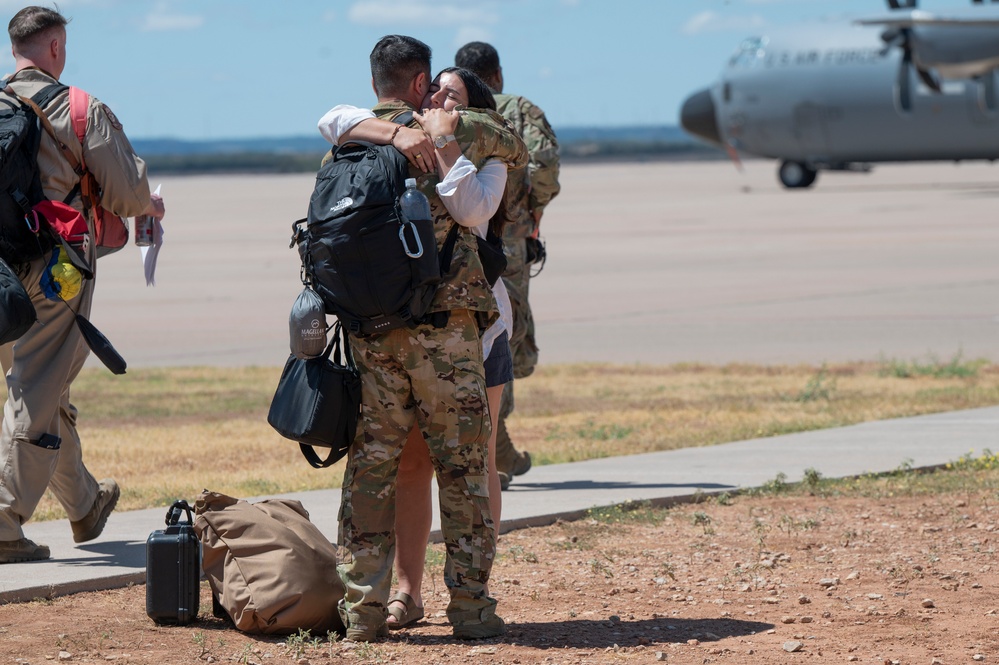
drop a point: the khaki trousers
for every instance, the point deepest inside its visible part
(39, 446)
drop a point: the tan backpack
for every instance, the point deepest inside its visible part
(269, 567)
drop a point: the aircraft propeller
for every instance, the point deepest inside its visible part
(902, 37)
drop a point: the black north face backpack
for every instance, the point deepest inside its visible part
(358, 250)
(20, 183)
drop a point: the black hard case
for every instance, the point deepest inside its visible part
(173, 570)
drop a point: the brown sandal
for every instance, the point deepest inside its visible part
(406, 615)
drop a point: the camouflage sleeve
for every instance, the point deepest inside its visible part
(484, 134)
(544, 161)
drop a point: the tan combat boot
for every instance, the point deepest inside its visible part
(93, 522)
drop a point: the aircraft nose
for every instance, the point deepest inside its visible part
(697, 116)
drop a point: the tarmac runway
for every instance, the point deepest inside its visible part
(649, 263)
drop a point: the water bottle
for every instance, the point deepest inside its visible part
(414, 204)
(415, 207)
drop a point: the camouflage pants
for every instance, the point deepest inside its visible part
(517, 278)
(525, 351)
(432, 377)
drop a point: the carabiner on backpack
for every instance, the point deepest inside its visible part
(413, 254)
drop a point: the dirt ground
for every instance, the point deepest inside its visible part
(755, 579)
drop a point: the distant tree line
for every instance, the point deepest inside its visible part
(637, 150)
(301, 154)
(234, 162)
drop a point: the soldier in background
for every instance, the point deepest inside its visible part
(528, 191)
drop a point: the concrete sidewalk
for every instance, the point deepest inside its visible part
(565, 491)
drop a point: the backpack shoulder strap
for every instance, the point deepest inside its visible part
(47, 94)
(36, 107)
(79, 102)
(447, 249)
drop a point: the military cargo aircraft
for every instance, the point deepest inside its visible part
(906, 86)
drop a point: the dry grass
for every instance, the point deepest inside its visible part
(571, 413)
(167, 433)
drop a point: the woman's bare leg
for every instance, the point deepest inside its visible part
(413, 516)
(494, 395)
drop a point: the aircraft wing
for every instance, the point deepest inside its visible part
(916, 19)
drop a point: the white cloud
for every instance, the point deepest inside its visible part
(714, 22)
(419, 13)
(471, 33)
(161, 18)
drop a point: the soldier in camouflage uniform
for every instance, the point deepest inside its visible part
(528, 191)
(432, 376)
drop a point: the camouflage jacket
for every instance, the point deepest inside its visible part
(482, 135)
(532, 188)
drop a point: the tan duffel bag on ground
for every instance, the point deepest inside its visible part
(269, 567)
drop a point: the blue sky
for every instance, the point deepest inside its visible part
(213, 69)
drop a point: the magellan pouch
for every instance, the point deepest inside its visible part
(307, 325)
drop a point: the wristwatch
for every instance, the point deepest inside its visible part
(441, 141)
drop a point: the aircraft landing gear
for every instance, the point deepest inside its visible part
(795, 175)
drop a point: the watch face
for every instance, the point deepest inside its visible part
(440, 142)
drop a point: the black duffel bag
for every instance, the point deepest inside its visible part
(318, 402)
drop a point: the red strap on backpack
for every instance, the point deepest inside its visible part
(79, 100)
(111, 230)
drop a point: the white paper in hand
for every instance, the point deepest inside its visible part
(150, 252)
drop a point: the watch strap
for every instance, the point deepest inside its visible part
(441, 141)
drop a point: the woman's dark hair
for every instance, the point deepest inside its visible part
(481, 97)
(499, 218)
(479, 94)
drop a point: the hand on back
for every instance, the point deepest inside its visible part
(416, 145)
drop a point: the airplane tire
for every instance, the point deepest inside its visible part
(795, 175)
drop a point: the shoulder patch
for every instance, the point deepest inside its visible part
(112, 118)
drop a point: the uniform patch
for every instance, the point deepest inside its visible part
(112, 118)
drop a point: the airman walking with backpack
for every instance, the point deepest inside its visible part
(39, 445)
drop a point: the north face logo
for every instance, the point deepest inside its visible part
(342, 204)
